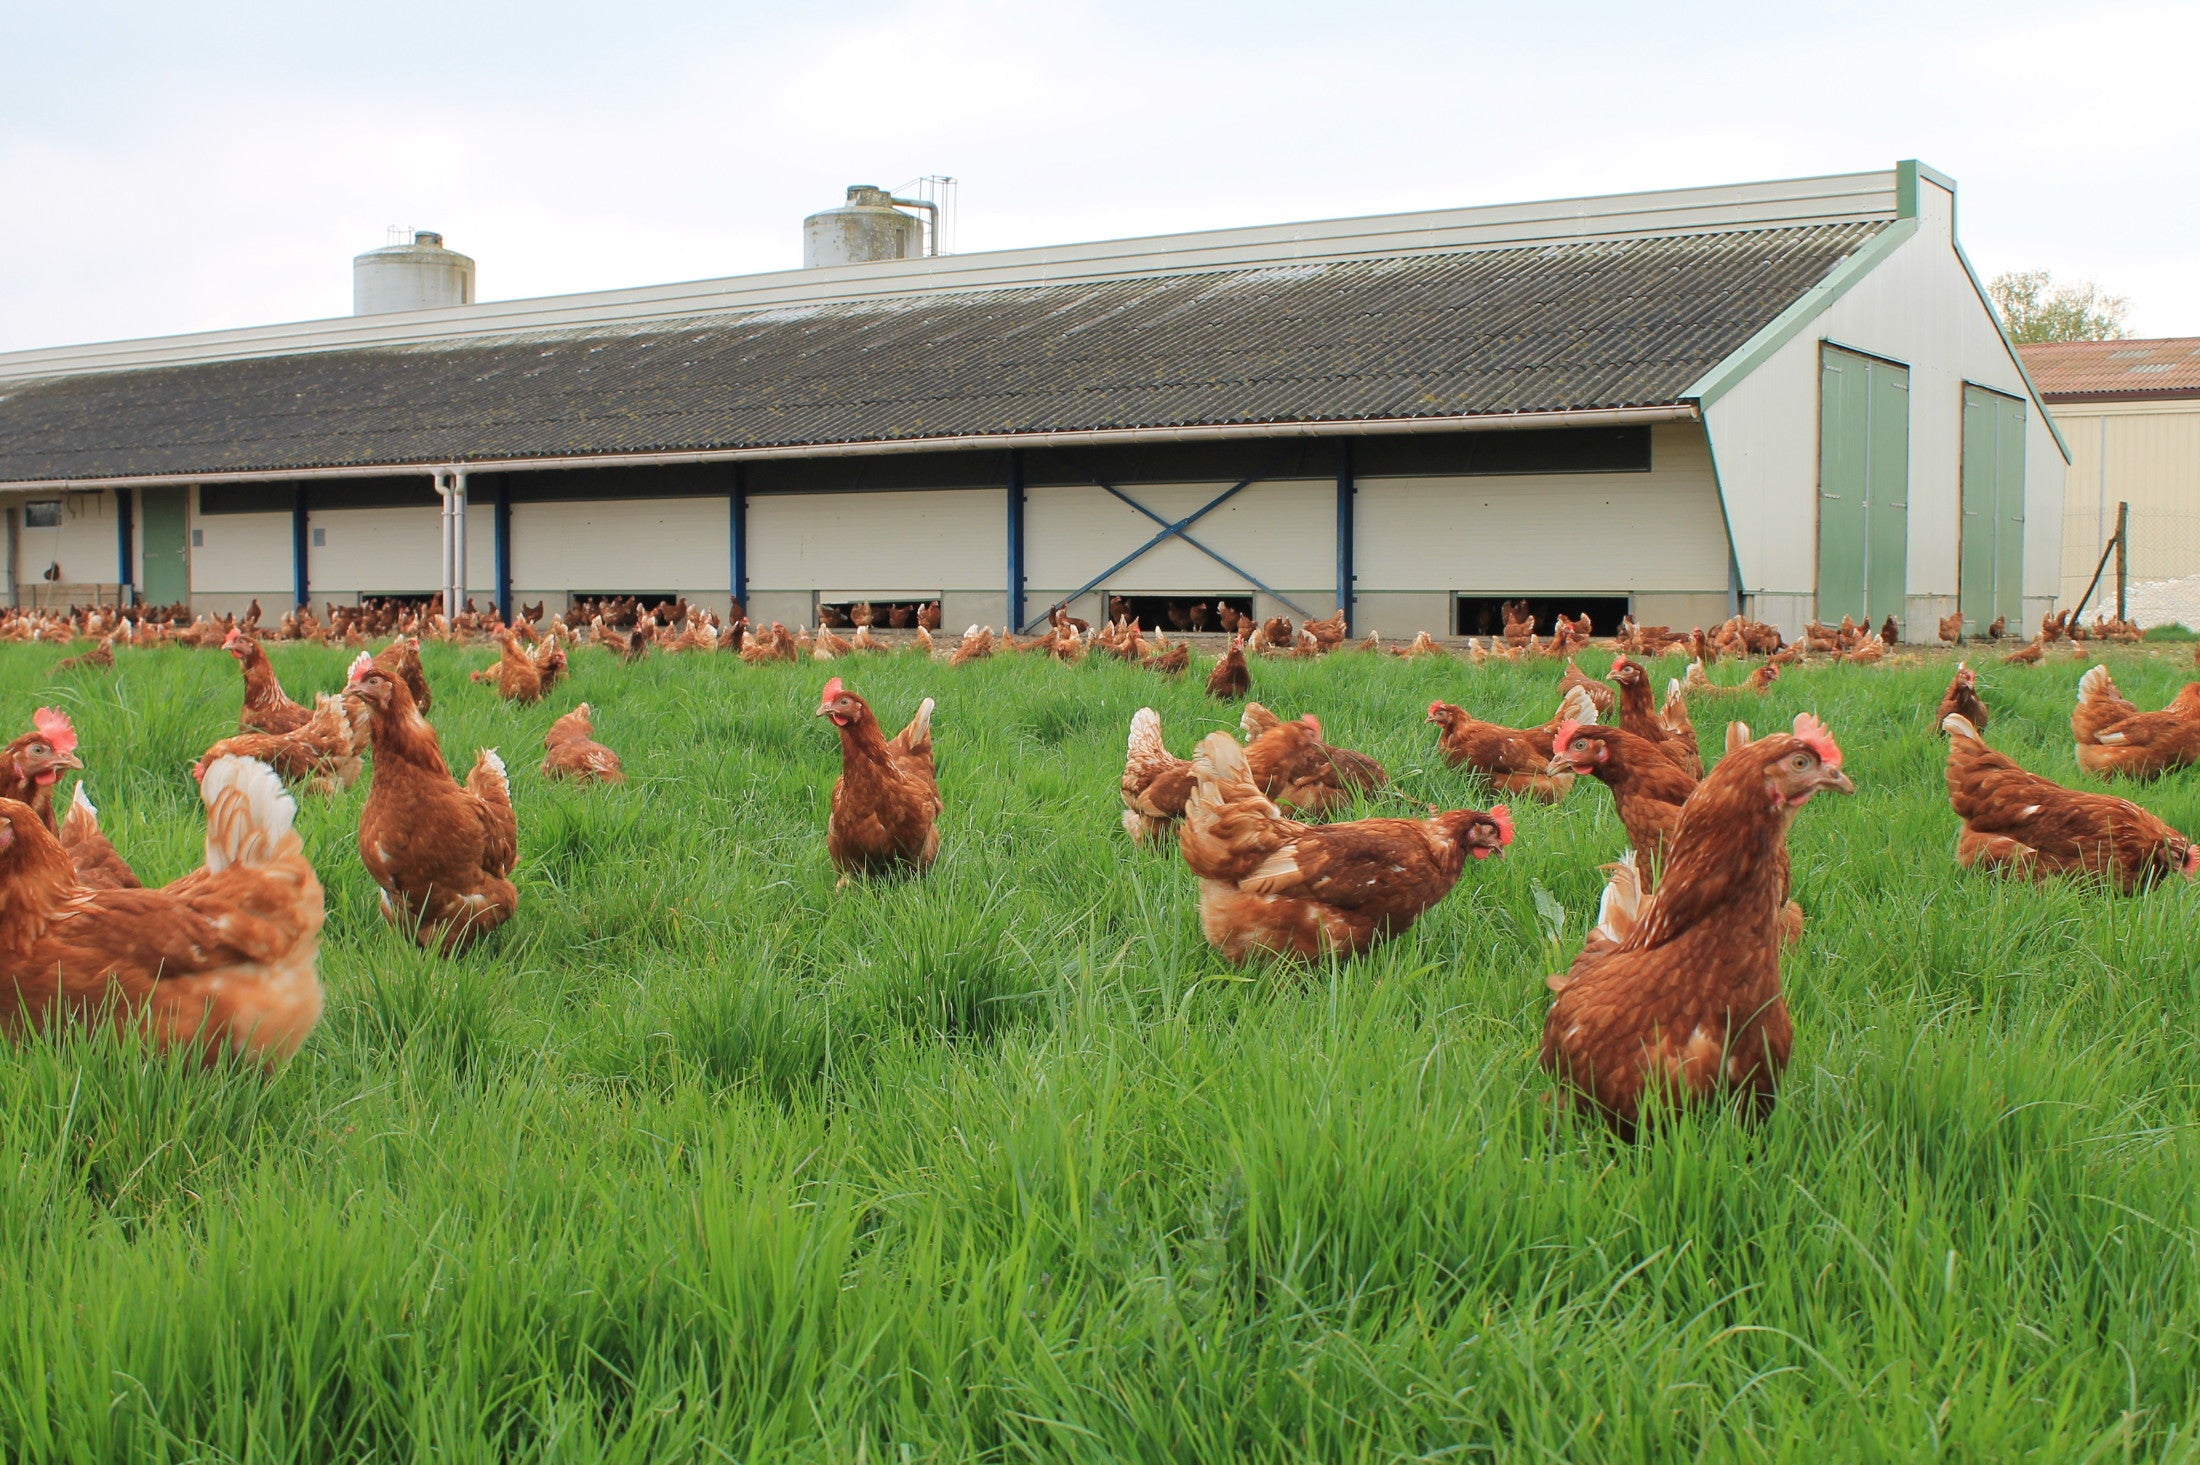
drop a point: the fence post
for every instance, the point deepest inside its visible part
(2123, 558)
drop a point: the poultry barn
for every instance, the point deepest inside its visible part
(1788, 399)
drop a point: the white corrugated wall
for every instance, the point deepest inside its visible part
(1917, 307)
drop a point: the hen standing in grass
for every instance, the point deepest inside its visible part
(886, 802)
(266, 707)
(1515, 760)
(1155, 783)
(324, 755)
(1230, 679)
(221, 959)
(1638, 714)
(1273, 885)
(1648, 788)
(1961, 698)
(1292, 764)
(517, 676)
(573, 752)
(442, 854)
(1682, 993)
(2117, 740)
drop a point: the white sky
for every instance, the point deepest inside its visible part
(171, 167)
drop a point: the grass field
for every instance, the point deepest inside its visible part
(700, 1159)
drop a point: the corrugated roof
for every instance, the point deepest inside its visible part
(2105, 370)
(1605, 323)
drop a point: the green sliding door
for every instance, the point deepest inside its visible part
(1993, 508)
(1863, 487)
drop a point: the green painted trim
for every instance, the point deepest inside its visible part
(2010, 346)
(1789, 323)
(1737, 589)
(1907, 175)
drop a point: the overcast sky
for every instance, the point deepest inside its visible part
(173, 166)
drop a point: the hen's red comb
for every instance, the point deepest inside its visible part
(1502, 817)
(54, 726)
(833, 689)
(1566, 731)
(1812, 734)
(360, 666)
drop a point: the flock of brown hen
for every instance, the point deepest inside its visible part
(1675, 996)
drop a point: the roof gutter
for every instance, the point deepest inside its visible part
(968, 442)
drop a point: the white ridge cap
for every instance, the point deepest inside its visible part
(1830, 199)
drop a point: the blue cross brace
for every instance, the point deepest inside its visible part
(1177, 530)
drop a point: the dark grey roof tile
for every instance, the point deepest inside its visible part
(1531, 328)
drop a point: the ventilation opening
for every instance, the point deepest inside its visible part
(1177, 612)
(1483, 615)
(402, 604)
(620, 607)
(846, 612)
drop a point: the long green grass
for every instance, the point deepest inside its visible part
(702, 1159)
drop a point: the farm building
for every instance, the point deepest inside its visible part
(1788, 398)
(2130, 411)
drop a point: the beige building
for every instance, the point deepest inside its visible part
(1786, 397)
(2130, 411)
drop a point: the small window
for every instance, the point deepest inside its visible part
(198, 539)
(320, 538)
(844, 611)
(1506, 454)
(245, 498)
(1484, 615)
(42, 514)
(1177, 612)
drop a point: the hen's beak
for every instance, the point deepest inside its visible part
(1558, 766)
(67, 760)
(1836, 780)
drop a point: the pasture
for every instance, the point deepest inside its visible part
(702, 1159)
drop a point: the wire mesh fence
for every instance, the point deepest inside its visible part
(2149, 568)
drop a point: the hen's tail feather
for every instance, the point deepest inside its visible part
(488, 779)
(1145, 738)
(917, 736)
(1577, 706)
(82, 820)
(1620, 907)
(248, 815)
(1256, 720)
(1955, 724)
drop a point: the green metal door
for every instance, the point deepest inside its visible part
(1887, 494)
(1842, 469)
(163, 538)
(2009, 551)
(1863, 487)
(1992, 556)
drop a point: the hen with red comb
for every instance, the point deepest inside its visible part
(1687, 1006)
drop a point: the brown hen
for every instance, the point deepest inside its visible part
(1272, 885)
(223, 959)
(2015, 820)
(886, 802)
(1681, 995)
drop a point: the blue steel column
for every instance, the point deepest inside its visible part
(126, 533)
(301, 590)
(1015, 541)
(737, 534)
(1347, 486)
(500, 538)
